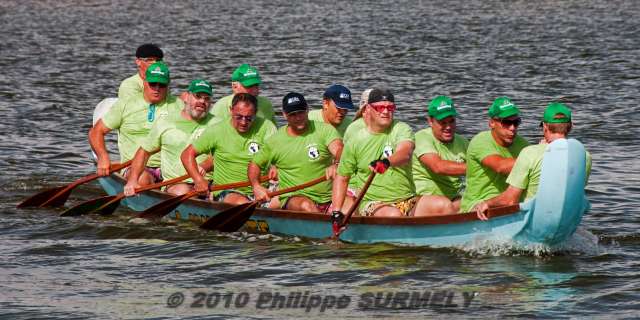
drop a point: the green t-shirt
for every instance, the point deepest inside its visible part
(222, 108)
(172, 134)
(363, 147)
(300, 159)
(526, 171)
(133, 118)
(482, 182)
(232, 151)
(428, 182)
(354, 126)
(130, 87)
(316, 115)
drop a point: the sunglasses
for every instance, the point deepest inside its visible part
(381, 108)
(508, 123)
(239, 117)
(157, 85)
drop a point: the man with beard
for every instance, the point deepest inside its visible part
(491, 154)
(233, 143)
(133, 118)
(439, 161)
(146, 54)
(336, 103)
(171, 135)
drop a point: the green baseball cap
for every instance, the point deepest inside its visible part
(199, 85)
(441, 107)
(247, 75)
(502, 108)
(158, 72)
(556, 112)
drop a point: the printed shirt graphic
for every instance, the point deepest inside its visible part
(233, 151)
(222, 108)
(131, 87)
(131, 118)
(482, 182)
(526, 171)
(316, 115)
(300, 159)
(172, 135)
(428, 182)
(363, 147)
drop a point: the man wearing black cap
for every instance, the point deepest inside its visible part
(382, 145)
(146, 54)
(300, 151)
(336, 102)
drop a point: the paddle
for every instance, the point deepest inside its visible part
(340, 225)
(232, 219)
(56, 197)
(108, 204)
(165, 207)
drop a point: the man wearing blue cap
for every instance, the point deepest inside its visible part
(336, 102)
(525, 176)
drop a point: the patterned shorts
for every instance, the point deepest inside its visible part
(405, 206)
(154, 172)
(224, 193)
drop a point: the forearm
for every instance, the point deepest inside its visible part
(253, 174)
(188, 158)
(96, 140)
(402, 154)
(449, 168)
(340, 184)
(138, 164)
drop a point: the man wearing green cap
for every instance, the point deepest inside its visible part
(439, 161)
(233, 143)
(172, 134)
(491, 154)
(133, 118)
(244, 79)
(525, 177)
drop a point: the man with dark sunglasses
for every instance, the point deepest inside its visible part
(439, 161)
(525, 177)
(336, 103)
(491, 154)
(244, 79)
(146, 54)
(383, 145)
(170, 135)
(233, 143)
(300, 151)
(133, 117)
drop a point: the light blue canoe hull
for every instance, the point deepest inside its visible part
(548, 219)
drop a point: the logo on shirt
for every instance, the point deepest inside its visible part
(254, 147)
(313, 152)
(387, 151)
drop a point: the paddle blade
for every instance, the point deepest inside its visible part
(161, 209)
(109, 207)
(86, 207)
(232, 219)
(40, 197)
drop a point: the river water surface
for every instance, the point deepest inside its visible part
(58, 59)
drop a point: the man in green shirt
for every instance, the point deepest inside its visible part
(383, 145)
(244, 79)
(233, 143)
(133, 118)
(491, 154)
(300, 151)
(525, 177)
(336, 102)
(170, 135)
(439, 161)
(146, 54)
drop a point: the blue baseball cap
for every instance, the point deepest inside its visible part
(340, 95)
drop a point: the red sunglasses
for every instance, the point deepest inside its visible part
(381, 108)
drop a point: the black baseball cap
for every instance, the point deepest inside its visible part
(377, 95)
(293, 102)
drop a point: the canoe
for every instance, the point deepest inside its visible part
(549, 219)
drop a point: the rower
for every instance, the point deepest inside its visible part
(492, 153)
(525, 177)
(233, 143)
(382, 144)
(146, 54)
(133, 118)
(336, 103)
(171, 135)
(244, 79)
(300, 150)
(439, 160)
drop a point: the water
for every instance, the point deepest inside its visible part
(59, 58)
